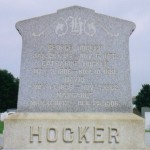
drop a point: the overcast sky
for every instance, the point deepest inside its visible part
(137, 11)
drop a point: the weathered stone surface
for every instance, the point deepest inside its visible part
(1, 141)
(74, 131)
(75, 61)
(147, 138)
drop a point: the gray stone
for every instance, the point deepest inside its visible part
(75, 61)
(1, 141)
(144, 110)
(147, 138)
(147, 121)
(77, 131)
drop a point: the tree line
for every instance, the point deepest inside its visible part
(8, 90)
(9, 93)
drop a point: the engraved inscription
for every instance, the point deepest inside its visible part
(68, 135)
(98, 135)
(37, 34)
(75, 26)
(72, 67)
(52, 135)
(37, 133)
(113, 135)
(70, 87)
(80, 134)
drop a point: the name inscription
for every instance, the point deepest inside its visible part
(84, 135)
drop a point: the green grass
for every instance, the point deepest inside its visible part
(1, 127)
(147, 130)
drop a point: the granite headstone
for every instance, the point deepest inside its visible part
(75, 61)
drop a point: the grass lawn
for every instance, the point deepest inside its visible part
(1, 127)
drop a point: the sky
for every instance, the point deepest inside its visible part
(137, 11)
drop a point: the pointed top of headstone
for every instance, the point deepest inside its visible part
(107, 23)
(75, 8)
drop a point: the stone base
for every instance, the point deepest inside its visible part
(74, 131)
(1, 141)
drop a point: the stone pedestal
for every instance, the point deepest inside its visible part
(74, 131)
(1, 141)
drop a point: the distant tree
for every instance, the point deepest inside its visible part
(143, 97)
(8, 90)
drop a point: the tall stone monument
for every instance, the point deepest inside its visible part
(74, 89)
(75, 61)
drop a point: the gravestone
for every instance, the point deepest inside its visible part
(144, 110)
(75, 85)
(75, 61)
(147, 128)
(147, 121)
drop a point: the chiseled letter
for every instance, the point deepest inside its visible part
(70, 138)
(82, 134)
(52, 135)
(98, 137)
(113, 134)
(33, 133)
